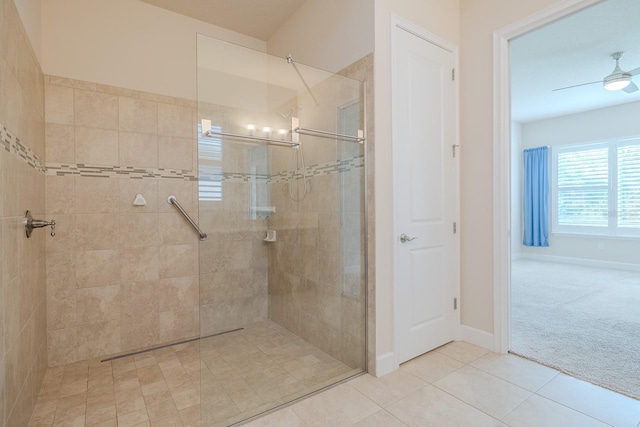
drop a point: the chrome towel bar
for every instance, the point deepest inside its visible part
(173, 201)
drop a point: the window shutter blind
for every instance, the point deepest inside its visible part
(629, 185)
(583, 187)
(209, 168)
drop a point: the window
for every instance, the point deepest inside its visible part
(209, 166)
(597, 188)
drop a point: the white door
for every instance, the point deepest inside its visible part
(425, 190)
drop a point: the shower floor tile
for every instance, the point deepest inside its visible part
(219, 380)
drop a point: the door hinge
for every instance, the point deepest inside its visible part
(455, 303)
(455, 149)
(453, 74)
(455, 228)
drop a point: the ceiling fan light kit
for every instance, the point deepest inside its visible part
(617, 80)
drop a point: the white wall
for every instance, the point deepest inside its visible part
(440, 17)
(597, 125)
(326, 34)
(126, 43)
(30, 14)
(478, 20)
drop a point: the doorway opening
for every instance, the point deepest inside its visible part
(573, 267)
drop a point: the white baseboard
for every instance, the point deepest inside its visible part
(583, 261)
(477, 337)
(385, 364)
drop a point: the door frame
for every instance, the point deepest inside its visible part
(401, 24)
(502, 161)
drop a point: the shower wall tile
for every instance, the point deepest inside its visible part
(137, 230)
(138, 115)
(175, 152)
(95, 110)
(96, 232)
(96, 146)
(175, 120)
(97, 268)
(23, 313)
(96, 195)
(60, 145)
(316, 268)
(60, 195)
(178, 260)
(139, 149)
(58, 106)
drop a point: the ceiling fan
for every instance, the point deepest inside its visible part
(617, 80)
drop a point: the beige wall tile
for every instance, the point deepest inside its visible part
(97, 268)
(174, 229)
(136, 115)
(9, 175)
(96, 110)
(139, 264)
(178, 260)
(96, 232)
(65, 239)
(175, 153)
(61, 310)
(12, 231)
(59, 143)
(61, 272)
(138, 149)
(96, 195)
(59, 105)
(96, 146)
(129, 188)
(140, 312)
(60, 194)
(98, 304)
(175, 120)
(138, 230)
(98, 339)
(62, 346)
(178, 293)
(175, 325)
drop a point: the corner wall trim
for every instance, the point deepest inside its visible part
(385, 364)
(477, 337)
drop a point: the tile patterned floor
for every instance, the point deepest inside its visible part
(462, 385)
(240, 374)
(243, 374)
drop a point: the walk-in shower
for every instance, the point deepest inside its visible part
(281, 197)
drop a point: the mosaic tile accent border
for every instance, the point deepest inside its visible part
(95, 171)
(320, 169)
(12, 144)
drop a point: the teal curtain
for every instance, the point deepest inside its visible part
(536, 197)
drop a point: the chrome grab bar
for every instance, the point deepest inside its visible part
(173, 201)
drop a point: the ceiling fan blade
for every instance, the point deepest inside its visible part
(582, 84)
(631, 88)
(634, 72)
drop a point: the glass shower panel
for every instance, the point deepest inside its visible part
(282, 274)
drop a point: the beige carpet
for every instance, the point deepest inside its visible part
(581, 320)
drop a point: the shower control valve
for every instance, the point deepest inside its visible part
(31, 223)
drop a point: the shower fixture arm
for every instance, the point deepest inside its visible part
(304, 82)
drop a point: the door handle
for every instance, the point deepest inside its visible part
(404, 238)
